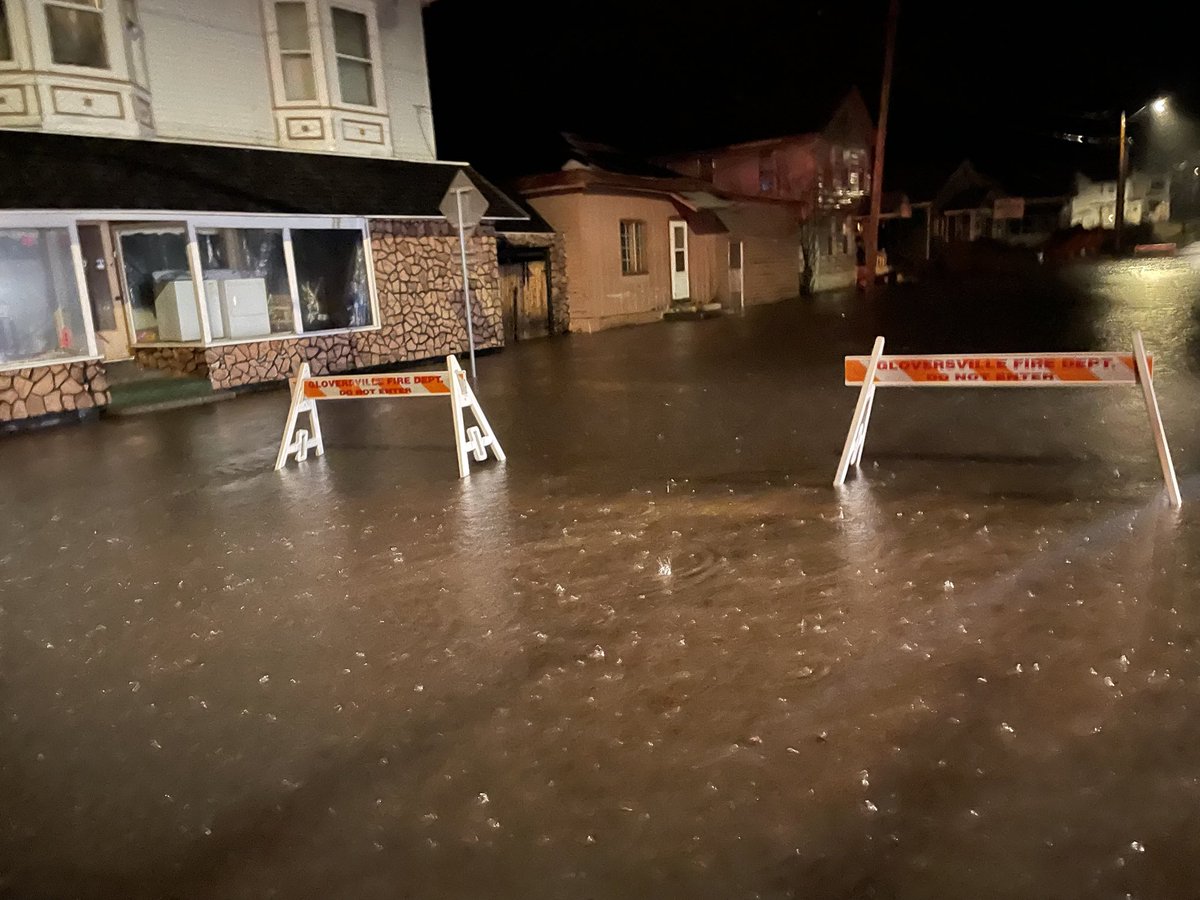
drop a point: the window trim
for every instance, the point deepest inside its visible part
(277, 53)
(70, 224)
(14, 28)
(275, 57)
(369, 12)
(639, 230)
(109, 15)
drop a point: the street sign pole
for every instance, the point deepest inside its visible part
(464, 206)
(462, 247)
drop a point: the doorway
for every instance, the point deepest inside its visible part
(104, 293)
(679, 261)
(525, 293)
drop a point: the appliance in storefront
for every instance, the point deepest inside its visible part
(175, 310)
(244, 309)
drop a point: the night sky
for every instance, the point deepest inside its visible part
(972, 78)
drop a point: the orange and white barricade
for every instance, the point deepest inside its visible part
(1001, 370)
(452, 384)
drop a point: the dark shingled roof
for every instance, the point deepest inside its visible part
(66, 172)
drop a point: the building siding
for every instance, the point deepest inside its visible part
(602, 297)
(210, 78)
(208, 70)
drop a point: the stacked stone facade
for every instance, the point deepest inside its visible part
(418, 278)
(560, 304)
(47, 390)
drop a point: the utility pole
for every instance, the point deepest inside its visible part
(1119, 214)
(871, 240)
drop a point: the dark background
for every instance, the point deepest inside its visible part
(972, 78)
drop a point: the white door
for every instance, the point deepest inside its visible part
(737, 280)
(679, 261)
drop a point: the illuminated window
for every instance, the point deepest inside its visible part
(41, 316)
(76, 29)
(633, 247)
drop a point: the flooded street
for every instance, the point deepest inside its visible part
(654, 655)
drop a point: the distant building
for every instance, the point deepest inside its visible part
(221, 191)
(825, 171)
(1020, 209)
(639, 239)
(1147, 199)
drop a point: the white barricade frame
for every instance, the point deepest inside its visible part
(452, 384)
(1002, 370)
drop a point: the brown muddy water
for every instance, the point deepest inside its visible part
(655, 655)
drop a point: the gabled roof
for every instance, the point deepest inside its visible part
(839, 117)
(580, 180)
(66, 172)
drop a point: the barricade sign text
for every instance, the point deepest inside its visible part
(451, 384)
(1001, 370)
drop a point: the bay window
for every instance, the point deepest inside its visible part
(41, 309)
(6, 47)
(352, 49)
(76, 31)
(295, 51)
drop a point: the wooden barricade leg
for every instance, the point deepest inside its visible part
(1156, 422)
(477, 438)
(856, 437)
(300, 444)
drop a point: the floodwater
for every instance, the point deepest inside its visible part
(654, 655)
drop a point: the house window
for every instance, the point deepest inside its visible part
(352, 48)
(41, 312)
(76, 29)
(6, 48)
(245, 271)
(633, 247)
(331, 276)
(259, 280)
(295, 51)
(766, 173)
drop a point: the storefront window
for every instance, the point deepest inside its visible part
(40, 313)
(331, 272)
(158, 283)
(244, 269)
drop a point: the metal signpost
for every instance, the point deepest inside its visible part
(464, 206)
(1002, 370)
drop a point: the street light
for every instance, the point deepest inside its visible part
(1158, 106)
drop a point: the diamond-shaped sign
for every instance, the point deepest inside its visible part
(463, 206)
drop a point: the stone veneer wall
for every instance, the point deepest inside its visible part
(56, 388)
(560, 303)
(418, 277)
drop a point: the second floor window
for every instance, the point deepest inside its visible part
(352, 47)
(295, 51)
(633, 247)
(76, 29)
(6, 49)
